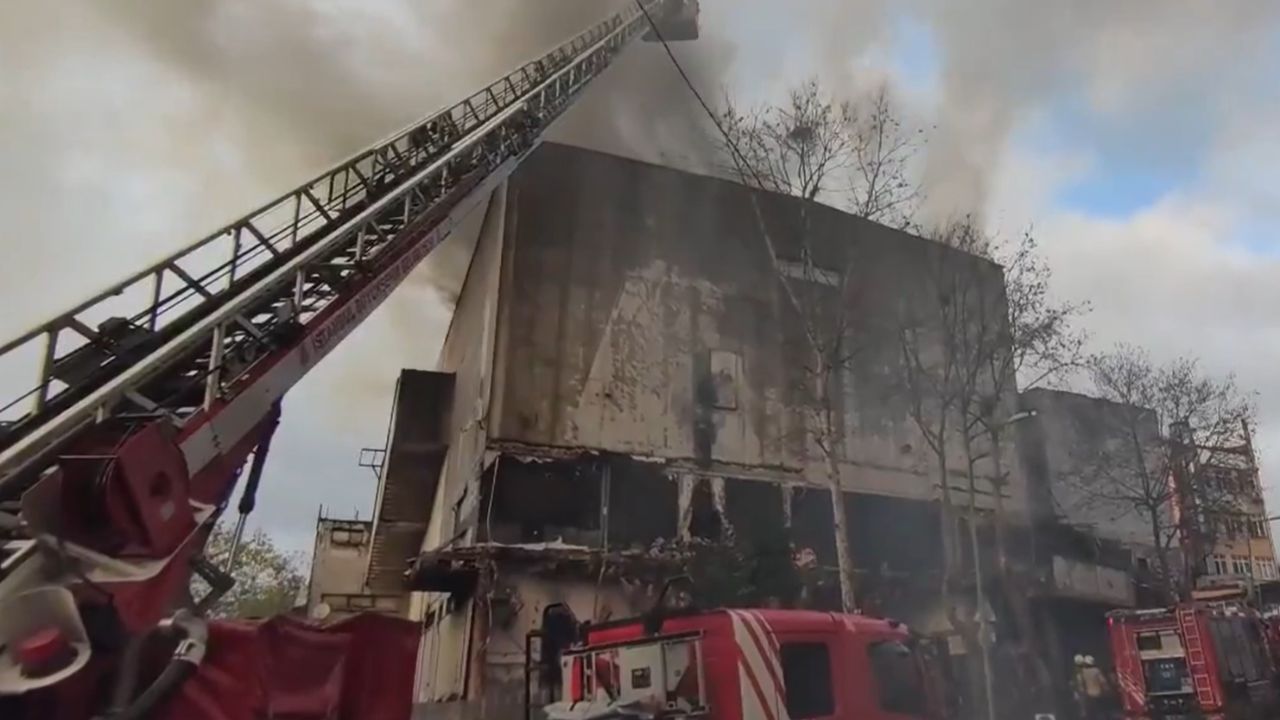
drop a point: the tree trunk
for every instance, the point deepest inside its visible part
(844, 557)
(827, 443)
(1162, 557)
(979, 582)
(946, 519)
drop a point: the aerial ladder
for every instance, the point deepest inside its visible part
(153, 397)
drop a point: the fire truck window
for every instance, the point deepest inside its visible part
(898, 680)
(806, 673)
(1149, 641)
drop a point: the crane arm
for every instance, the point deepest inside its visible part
(151, 395)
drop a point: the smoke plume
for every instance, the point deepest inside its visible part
(206, 107)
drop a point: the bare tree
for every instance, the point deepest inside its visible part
(1031, 340)
(941, 377)
(987, 319)
(1169, 414)
(851, 155)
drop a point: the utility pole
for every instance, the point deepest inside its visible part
(984, 620)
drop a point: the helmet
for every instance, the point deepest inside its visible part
(1079, 660)
(1088, 660)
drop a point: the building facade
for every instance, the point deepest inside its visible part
(1080, 457)
(1094, 544)
(625, 384)
(1231, 541)
(339, 561)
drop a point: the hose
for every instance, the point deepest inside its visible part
(182, 665)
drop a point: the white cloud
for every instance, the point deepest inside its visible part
(1172, 276)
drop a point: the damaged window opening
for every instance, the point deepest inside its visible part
(811, 523)
(542, 502)
(754, 509)
(643, 504)
(705, 522)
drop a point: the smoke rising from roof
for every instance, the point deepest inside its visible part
(329, 78)
(337, 75)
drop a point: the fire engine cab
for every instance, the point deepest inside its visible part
(1194, 660)
(744, 665)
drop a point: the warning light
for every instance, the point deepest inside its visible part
(44, 652)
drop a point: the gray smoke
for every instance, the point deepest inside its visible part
(1000, 63)
(330, 78)
(339, 75)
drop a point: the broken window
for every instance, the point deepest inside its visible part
(704, 519)
(753, 508)
(806, 675)
(532, 502)
(894, 534)
(811, 525)
(643, 504)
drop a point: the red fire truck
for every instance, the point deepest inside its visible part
(746, 665)
(1194, 660)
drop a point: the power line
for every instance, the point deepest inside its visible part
(715, 119)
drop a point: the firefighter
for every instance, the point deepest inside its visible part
(1092, 689)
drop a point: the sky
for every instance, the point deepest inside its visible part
(1137, 140)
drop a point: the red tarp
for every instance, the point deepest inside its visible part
(357, 669)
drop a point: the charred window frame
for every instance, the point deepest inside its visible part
(524, 501)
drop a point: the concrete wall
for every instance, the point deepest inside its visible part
(339, 562)
(338, 567)
(1077, 448)
(640, 313)
(444, 649)
(493, 685)
(468, 353)
(503, 682)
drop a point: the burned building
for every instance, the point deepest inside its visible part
(625, 378)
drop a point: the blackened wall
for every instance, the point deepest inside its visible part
(640, 313)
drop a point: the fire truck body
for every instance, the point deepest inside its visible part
(1193, 660)
(748, 665)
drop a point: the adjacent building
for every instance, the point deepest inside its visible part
(1129, 513)
(1094, 467)
(1231, 538)
(339, 562)
(1093, 538)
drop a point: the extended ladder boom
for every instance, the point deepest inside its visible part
(214, 335)
(151, 396)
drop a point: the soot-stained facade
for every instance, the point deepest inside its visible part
(625, 379)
